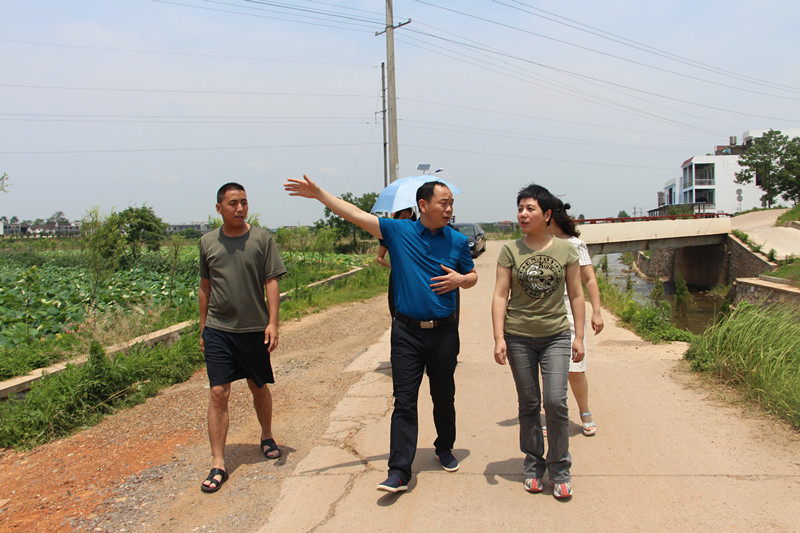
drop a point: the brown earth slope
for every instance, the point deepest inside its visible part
(141, 468)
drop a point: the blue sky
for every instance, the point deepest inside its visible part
(142, 102)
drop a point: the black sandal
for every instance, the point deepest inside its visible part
(271, 447)
(217, 483)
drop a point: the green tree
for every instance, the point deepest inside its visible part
(657, 294)
(764, 163)
(254, 219)
(58, 218)
(324, 240)
(141, 227)
(343, 227)
(176, 242)
(603, 264)
(683, 300)
(790, 176)
(4, 182)
(680, 209)
(214, 222)
(622, 214)
(190, 233)
(104, 246)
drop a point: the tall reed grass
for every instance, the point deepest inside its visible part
(652, 322)
(756, 348)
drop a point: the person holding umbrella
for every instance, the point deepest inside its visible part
(407, 213)
(429, 261)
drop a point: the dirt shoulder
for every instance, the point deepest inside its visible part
(141, 468)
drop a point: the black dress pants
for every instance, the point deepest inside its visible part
(414, 351)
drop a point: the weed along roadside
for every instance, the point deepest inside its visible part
(753, 347)
(21, 384)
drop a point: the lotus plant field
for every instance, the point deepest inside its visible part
(47, 295)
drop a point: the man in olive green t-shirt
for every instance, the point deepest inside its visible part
(239, 263)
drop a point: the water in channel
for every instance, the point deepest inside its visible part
(702, 311)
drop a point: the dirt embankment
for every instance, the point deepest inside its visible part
(140, 470)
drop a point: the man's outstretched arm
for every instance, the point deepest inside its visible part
(308, 189)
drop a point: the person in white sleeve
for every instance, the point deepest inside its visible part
(564, 227)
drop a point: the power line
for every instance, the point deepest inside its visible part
(486, 132)
(646, 48)
(520, 156)
(599, 80)
(184, 54)
(529, 32)
(580, 93)
(207, 148)
(551, 119)
(180, 119)
(219, 10)
(183, 91)
(290, 7)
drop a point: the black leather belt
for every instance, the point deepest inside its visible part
(426, 324)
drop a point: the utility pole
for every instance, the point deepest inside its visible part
(383, 113)
(391, 107)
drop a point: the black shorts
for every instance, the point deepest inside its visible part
(233, 356)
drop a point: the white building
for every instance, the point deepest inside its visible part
(708, 181)
(202, 227)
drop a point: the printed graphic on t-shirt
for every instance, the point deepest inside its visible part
(540, 276)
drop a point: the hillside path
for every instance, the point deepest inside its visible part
(760, 226)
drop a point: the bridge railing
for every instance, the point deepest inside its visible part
(612, 220)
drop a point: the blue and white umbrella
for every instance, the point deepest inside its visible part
(402, 193)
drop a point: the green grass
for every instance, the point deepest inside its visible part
(755, 209)
(651, 322)
(790, 215)
(788, 269)
(756, 349)
(371, 281)
(80, 396)
(754, 246)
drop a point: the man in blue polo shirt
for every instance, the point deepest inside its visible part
(429, 261)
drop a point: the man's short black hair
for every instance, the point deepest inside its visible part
(425, 191)
(227, 187)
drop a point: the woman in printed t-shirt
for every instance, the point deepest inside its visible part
(531, 332)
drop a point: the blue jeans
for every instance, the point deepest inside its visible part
(526, 355)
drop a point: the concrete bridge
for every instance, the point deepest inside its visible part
(701, 249)
(608, 238)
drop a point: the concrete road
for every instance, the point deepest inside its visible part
(760, 226)
(665, 454)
